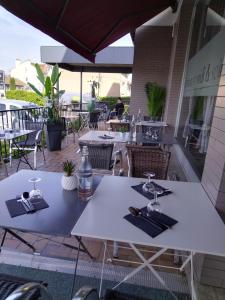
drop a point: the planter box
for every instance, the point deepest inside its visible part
(54, 136)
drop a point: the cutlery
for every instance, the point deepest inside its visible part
(136, 212)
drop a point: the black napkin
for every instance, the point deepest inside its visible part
(16, 208)
(147, 227)
(160, 217)
(106, 137)
(150, 195)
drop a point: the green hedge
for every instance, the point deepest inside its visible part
(111, 101)
(25, 96)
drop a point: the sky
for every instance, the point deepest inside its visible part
(21, 40)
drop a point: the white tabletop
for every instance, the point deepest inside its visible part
(152, 123)
(199, 227)
(94, 136)
(13, 135)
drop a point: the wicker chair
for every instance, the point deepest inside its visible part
(11, 285)
(144, 159)
(93, 119)
(120, 127)
(89, 293)
(100, 155)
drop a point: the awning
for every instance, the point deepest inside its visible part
(86, 26)
(108, 60)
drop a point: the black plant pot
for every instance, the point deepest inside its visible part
(54, 136)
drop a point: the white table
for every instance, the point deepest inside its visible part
(8, 136)
(118, 137)
(152, 123)
(199, 228)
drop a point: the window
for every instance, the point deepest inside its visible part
(204, 68)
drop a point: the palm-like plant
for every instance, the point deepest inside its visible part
(156, 99)
(50, 91)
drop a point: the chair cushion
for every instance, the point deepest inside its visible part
(115, 295)
(9, 283)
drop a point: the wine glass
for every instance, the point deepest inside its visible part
(147, 186)
(35, 193)
(109, 130)
(154, 205)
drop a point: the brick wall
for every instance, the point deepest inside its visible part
(151, 62)
(177, 62)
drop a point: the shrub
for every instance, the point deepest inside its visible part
(25, 96)
(111, 101)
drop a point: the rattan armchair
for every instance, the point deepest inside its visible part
(123, 127)
(101, 156)
(89, 293)
(144, 159)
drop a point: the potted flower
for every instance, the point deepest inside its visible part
(51, 94)
(69, 180)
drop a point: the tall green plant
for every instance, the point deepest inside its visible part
(12, 84)
(156, 99)
(50, 91)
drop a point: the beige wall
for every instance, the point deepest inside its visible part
(151, 62)
(111, 84)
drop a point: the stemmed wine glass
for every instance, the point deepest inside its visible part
(154, 205)
(35, 193)
(109, 130)
(147, 186)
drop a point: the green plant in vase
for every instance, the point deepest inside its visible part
(69, 180)
(51, 94)
(156, 96)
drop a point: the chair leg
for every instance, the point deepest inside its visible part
(35, 158)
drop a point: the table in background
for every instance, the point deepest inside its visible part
(11, 136)
(199, 228)
(117, 137)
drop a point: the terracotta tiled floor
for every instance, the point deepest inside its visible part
(52, 246)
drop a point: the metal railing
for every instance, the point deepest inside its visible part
(16, 119)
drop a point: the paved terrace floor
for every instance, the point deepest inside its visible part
(49, 246)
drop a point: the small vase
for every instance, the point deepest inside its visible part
(69, 183)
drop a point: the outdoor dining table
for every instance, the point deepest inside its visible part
(107, 136)
(10, 136)
(199, 228)
(58, 219)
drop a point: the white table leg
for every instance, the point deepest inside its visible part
(102, 271)
(145, 264)
(190, 259)
(193, 292)
(154, 272)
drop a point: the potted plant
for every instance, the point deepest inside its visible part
(51, 94)
(156, 100)
(69, 180)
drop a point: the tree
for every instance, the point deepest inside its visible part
(12, 84)
(95, 85)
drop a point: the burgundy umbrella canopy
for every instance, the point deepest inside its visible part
(86, 26)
